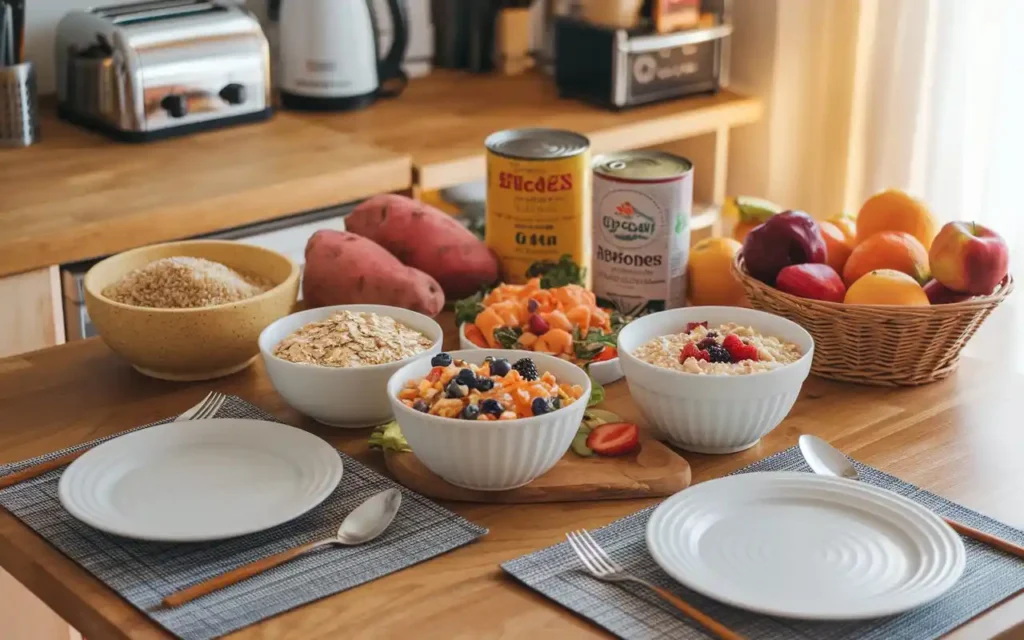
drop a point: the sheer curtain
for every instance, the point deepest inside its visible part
(942, 110)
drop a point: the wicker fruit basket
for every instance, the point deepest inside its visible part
(879, 345)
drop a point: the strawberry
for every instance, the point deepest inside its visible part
(692, 351)
(614, 438)
(732, 341)
(690, 326)
(746, 352)
(538, 325)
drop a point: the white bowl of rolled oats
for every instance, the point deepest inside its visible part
(715, 379)
(333, 363)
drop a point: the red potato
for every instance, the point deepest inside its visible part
(343, 268)
(423, 237)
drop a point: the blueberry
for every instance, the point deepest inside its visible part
(491, 406)
(470, 412)
(540, 406)
(483, 384)
(454, 390)
(441, 360)
(466, 377)
(500, 367)
(419, 405)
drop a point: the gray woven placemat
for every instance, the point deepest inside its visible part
(145, 572)
(632, 612)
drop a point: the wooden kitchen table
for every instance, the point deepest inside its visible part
(960, 438)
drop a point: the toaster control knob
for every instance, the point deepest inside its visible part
(233, 93)
(175, 105)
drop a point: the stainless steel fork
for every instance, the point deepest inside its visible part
(207, 408)
(600, 565)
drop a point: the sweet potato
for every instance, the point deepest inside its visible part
(343, 268)
(428, 239)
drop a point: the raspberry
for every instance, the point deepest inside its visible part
(690, 326)
(718, 354)
(691, 351)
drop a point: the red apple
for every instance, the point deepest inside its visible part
(812, 280)
(938, 294)
(969, 258)
(787, 238)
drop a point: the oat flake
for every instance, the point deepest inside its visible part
(352, 339)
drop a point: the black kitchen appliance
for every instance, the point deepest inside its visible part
(620, 68)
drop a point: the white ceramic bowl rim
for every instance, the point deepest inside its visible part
(379, 309)
(99, 294)
(808, 353)
(464, 354)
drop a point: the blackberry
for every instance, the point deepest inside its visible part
(454, 390)
(500, 367)
(483, 384)
(540, 406)
(706, 343)
(492, 407)
(526, 368)
(718, 353)
(420, 406)
(441, 360)
(466, 377)
(470, 412)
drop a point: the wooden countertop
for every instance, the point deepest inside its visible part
(77, 195)
(441, 120)
(959, 438)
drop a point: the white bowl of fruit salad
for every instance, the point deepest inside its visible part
(489, 419)
(563, 321)
(715, 379)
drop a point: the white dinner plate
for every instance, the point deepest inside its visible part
(200, 480)
(604, 372)
(798, 545)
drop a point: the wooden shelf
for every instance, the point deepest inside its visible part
(77, 195)
(441, 121)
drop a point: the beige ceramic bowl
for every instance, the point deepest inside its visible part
(192, 344)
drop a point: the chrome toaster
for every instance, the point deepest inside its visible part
(150, 70)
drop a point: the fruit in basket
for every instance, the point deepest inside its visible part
(887, 287)
(895, 210)
(888, 250)
(344, 268)
(846, 223)
(428, 239)
(813, 280)
(969, 258)
(939, 294)
(709, 274)
(792, 237)
(746, 213)
(839, 247)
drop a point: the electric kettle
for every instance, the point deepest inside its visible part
(329, 54)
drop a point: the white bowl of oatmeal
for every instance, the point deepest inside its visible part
(700, 402)
(333, 363)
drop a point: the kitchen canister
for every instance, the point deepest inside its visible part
(19, 105)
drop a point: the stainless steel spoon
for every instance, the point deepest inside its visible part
(826, 460)
(366, 522)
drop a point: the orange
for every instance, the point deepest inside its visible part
(848, 225)
(838, 245)
(888, 250)
(710, 277)
(894, 210)
(887, 286)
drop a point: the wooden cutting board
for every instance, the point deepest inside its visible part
(653, 471)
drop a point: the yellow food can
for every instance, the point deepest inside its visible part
(538, 199)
